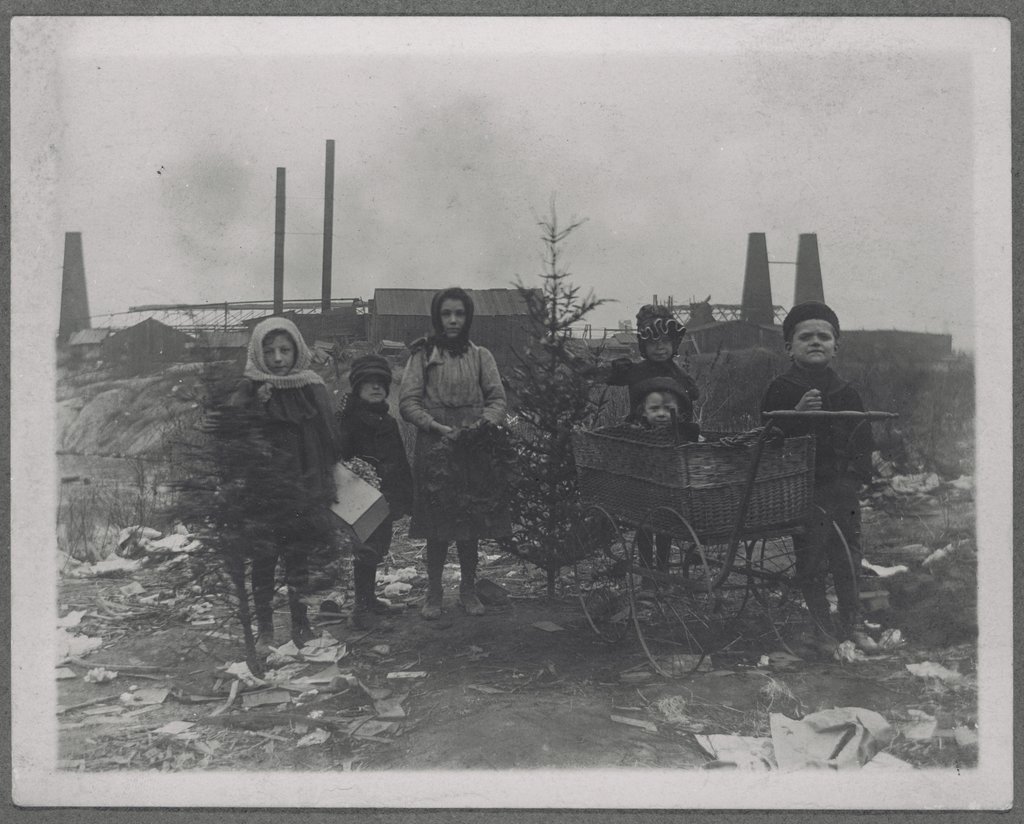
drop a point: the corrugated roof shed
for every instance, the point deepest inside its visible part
(88, 337)
(416, 302)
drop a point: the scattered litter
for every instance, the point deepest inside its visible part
(318, 736)
(838, 738)
(371, 728)
(260, 699)
(914, 549)
(965, 737)
(64, 673)
(779, 660)
(144, 697)
(882, 571)
(324, 676)
(405, 675)
(635, 677)
(874, 600)
(937, 558)
(490, 593)
(75, 646)
(99, 675)
(650, 726)
(548, 626)
(486, 690)
(922, 482)
(397, 589)
(381, 649)
(891, 639)
(71, 620)
(848, 653)
(134, 588)
(242, 672)
(175, 727)
(965, 482)
(375, 693)
(284, 654)
(107, 568)
(403, 575)
(284, 674)
(887, 761)
(921, 728)
(929, 669)
(673, 709)
(683, 664)
(325, 649)
(175, 543)
(744, 752)
(389, 707)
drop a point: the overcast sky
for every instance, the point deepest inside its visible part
(158, 139)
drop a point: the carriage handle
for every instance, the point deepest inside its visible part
(741, 514)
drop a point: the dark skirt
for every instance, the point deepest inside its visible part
(433, 520)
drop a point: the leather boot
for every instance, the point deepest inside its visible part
(264, 628)
(302, 632)
(362, 585)
(467, 587)
(436, 552)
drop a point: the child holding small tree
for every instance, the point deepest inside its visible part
(366, 431)
(842, 463)
(289, 409)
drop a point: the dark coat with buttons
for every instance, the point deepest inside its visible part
(842, 448)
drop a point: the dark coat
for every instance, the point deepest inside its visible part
(842, 448)
(372, 435)
(625, 372)
(298, 426)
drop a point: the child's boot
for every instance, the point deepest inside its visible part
(264, 628)
(364, 605)
(436, 552)
(467, 586)
(302, 632)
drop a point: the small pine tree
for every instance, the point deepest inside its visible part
(553, 391)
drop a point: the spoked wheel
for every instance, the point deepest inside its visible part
(601, 579)
(668, 599)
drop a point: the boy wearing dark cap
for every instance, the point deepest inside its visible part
(368, 432)
(842, 463)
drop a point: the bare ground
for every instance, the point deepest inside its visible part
(501, 693)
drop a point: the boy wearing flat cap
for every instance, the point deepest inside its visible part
(842, 463)
(367, 431)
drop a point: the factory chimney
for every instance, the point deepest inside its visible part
(757, 305)
(325, 295)
(279, 244)
(74, 302)
(808, 271)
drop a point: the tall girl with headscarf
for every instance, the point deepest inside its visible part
(289, 411)
(450, 385)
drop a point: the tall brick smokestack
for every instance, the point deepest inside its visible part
(74, 302)
(808, 271)
(757, 305)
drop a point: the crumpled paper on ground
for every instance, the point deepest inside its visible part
(839, 738)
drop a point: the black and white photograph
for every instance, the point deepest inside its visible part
(511, 412)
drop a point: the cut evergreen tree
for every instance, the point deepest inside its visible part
(553, 393)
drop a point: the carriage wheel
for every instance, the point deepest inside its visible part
(605, 603)
(677, 600)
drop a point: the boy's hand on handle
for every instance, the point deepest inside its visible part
(810, 402)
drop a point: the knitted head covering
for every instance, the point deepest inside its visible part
(454, 345)
(369, 366)
(256, 368)
(663, 385)
(808, 310)
(655, 322)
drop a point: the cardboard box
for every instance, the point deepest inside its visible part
(359, 505)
